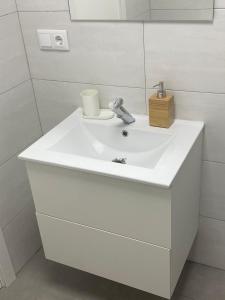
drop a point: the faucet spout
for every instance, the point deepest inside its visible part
(121, 112)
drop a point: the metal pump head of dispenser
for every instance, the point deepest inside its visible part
(161, 93)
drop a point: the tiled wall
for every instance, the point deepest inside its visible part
(127, 59)
(19, 127)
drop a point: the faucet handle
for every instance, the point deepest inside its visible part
(117, 107)
(117, 102)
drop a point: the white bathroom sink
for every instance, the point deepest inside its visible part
(93, 212)
(152, 155)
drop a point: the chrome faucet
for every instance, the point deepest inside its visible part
(120, 111)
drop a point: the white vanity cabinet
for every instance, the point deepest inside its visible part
(125, 231)
(134, 223)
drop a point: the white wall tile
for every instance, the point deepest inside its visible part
(187, 56)
(7, 6)
(210, 243)
(19, 124)
(57, 100)
(15, 191)
(13, 64)
(42, 5)
(104, 53)
(213, 190)
(219, 4)
(22, 237)
(208, 108)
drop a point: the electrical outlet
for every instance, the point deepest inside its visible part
(53, 40)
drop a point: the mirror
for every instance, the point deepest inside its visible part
(142, 10)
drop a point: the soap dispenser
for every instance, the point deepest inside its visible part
(161, 108)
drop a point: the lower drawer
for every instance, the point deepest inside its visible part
(134, 263)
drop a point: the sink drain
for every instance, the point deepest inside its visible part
(122, 161)
(125, 133)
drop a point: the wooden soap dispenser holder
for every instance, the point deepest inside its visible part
(161, 108)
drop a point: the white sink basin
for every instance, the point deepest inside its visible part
(152, 155)
(105, 141)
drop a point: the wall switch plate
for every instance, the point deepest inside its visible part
(44, 39)
(53, 40)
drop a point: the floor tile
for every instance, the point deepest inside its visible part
(45, 280)
(199, 282)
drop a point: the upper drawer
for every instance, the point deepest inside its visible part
(126, 208)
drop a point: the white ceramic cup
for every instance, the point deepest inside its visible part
(90, 100)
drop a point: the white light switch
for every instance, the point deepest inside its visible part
(53, 40)
(44, 39)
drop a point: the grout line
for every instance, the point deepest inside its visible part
(29, 70)
(204, 265)
(214, 162)
(122, 86)
(8, 14)
(18, 152)
(30, 259)
(191, 91)
(180, 294)
(89, 83)
(42, 11)
(67, 10)
(182, 9)
(145, 76)
(30, 204)
(125, 86)
(211, 218)
(15, 86)
(36, 105)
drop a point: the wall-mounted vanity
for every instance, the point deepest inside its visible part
(142, 10)
(133, 223)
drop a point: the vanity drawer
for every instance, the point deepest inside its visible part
(130, 209)
(137, 264)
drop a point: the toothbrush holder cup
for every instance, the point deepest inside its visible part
(90, 101)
